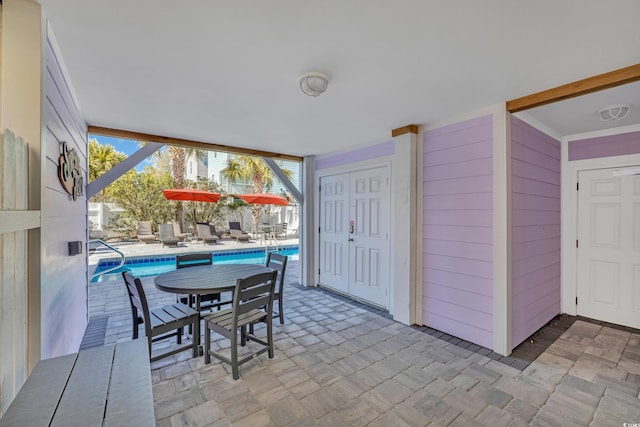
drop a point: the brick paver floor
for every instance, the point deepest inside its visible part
(339, 364)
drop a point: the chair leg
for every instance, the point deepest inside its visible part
(190, 303)
(134, 314)
(196, 335)
(243, 335)
(149, 342)
(280, 311)
(234, 355)
(270, 336)
(179, 337)
(207, 342)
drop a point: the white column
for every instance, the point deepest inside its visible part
(404, 228)
(501, 231)
(307, 241)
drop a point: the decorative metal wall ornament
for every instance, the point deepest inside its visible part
(69, 171)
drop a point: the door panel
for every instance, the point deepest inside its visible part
(333, 231)
(369, 272)
(608, 285)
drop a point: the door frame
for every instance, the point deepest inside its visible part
(349, 168)
(569, 207)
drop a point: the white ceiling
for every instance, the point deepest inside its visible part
(581, 114)
(226, 72)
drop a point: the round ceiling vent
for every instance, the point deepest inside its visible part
(614, 112)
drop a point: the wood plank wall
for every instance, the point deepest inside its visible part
(64, 290)
(458, 230)
(14, 165)
(535, 223)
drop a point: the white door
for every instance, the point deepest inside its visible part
(334, 235)
(354, 234)
(368, 254)
(608, 285)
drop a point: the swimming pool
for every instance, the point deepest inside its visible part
(154, 265)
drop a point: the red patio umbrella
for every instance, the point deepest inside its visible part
(264, 199)
(191, 195)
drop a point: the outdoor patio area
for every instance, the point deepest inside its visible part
(340, 363)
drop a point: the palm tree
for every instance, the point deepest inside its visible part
(255, 170)
(101, 159)
(177, 162)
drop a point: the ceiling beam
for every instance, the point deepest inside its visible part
(405, 129)
(581, 87)
(136, 136)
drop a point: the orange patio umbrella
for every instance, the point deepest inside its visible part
(191, 195)
(264, 199)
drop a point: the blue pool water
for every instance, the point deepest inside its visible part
(154, 265)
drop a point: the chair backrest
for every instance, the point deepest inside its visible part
(278, 262)
(176, 229)
(253, 292)
(203, 230)
(212, 228)
(234, 226)
(137, 298)
(165, 230)
(192, 260)
(144, 228)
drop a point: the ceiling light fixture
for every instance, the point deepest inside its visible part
(614, 112)
(313, 83)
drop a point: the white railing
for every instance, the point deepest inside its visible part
(109, 270)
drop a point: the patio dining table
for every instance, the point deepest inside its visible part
(206, 279)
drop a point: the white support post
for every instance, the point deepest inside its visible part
(403, 231)
(501, 231)
(307, 240)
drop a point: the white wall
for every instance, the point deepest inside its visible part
(64, 308)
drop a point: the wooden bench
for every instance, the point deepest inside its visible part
(102, 386)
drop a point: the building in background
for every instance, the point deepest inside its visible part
(196, 167)
(218, 162)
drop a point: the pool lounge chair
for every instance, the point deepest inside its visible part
(145, 234)
(166, 235)
(204, 233)
(236, 232)
(178, 233)
(214, 232)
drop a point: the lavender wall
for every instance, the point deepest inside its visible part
(535, 219)
(605, 146)
(458, 230)
(366, 153)
(64, 277)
